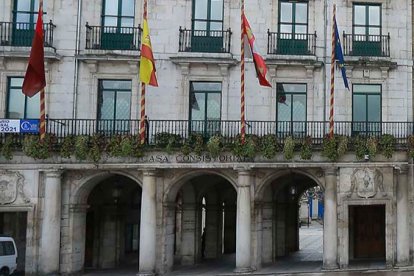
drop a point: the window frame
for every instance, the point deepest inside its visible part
(206, 98)
(293, 23)
(26, 98)
(101, 90)
(208, 20)
(118, 16)
(366, 26)
(290, 93)
(366, 103)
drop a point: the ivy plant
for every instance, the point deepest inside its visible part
(289, 148)
(387, 145)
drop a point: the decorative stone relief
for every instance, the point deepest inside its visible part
(11, 186)
(365, 183)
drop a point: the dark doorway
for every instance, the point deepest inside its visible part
(367, 232)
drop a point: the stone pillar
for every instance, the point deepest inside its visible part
(330, 229)
(50, 236)
(403, 236)
(243, 233)
(147, 244)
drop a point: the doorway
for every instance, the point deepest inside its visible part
(367, 232)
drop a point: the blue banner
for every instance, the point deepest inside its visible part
(29, 126)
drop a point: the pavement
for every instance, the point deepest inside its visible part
(307, 261)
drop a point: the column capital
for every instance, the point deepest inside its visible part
(149, 172)
(331, 171)
(243, 170)
(401, 169)
(53, 173)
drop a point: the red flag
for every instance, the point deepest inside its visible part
(259, 62)
(35, 80)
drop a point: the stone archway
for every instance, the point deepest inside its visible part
(203, 213)
(277, 214)
(104, 219)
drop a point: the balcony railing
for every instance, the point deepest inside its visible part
(291, 44)
(113, 38)
(204, 41)
(229, 130)
(21, 34)
(367, 45)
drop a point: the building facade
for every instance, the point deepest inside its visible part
(89, 205)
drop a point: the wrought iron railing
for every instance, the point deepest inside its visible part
(113, 38)
(21, 34)
(204, 41)
(367, 45)
(291, 44)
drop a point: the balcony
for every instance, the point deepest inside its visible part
(113, 38)
(21, 34)
(366, 45)
(204, 41)
(291, 44)
(181, 130)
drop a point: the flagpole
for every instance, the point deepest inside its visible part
(331, 109)
(142, 119)
(242, 101)
(42, 129)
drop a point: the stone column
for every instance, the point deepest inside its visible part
(330, 230)
(50, 236)
(403, 236)
(147, 244)
(243, 233)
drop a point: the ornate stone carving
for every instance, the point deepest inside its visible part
(366, 183)
(11, 186)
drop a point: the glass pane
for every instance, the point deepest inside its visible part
(359, 31)
(359, 109)
(16, 104)
(216, 10)
(16, 82)
(365, 88)
(301, 15)
(198, 25)
(374, 108)
(107, 105)
(285, 29)
(111, 7)
(206, 86)
(24, 5)
(128, 8)
(301, 29)
(110, 22)
(123, 105)
(374, 15)
(200, 9)
(216, 26)
(127, 22)
(374, 31)
(359, 15)
(299, 108)
(22, 18)
(213, 106)
(292, 88)
(116, 84)
(33, 107)
(283, 109)
(197, 106)
(286, 12)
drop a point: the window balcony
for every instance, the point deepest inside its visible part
(366, 45)
(291, 44)
(113, 38)
(21, 34)
(204, 41)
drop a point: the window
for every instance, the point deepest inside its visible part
(20, 106)
(366, 30)
(118, 24)
(114, 105)
(6, 248)
(291, 109)
(205, 107)
(293, 27)
(24, 18)
(207, 34)
(366, 109)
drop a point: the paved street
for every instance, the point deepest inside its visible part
(307, 261)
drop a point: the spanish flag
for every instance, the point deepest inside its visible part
(147, 65)
(259, 62)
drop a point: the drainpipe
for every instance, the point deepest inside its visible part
(76, 71)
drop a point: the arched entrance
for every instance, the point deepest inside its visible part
(285, 235)
(205, 222)
(113, 224)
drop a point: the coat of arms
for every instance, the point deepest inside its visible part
(366, 182)
(11, 184)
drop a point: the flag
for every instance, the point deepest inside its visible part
(259, 62)
(339, 55)
(147, 65)
(34, 79)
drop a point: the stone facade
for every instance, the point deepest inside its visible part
(57, 196)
